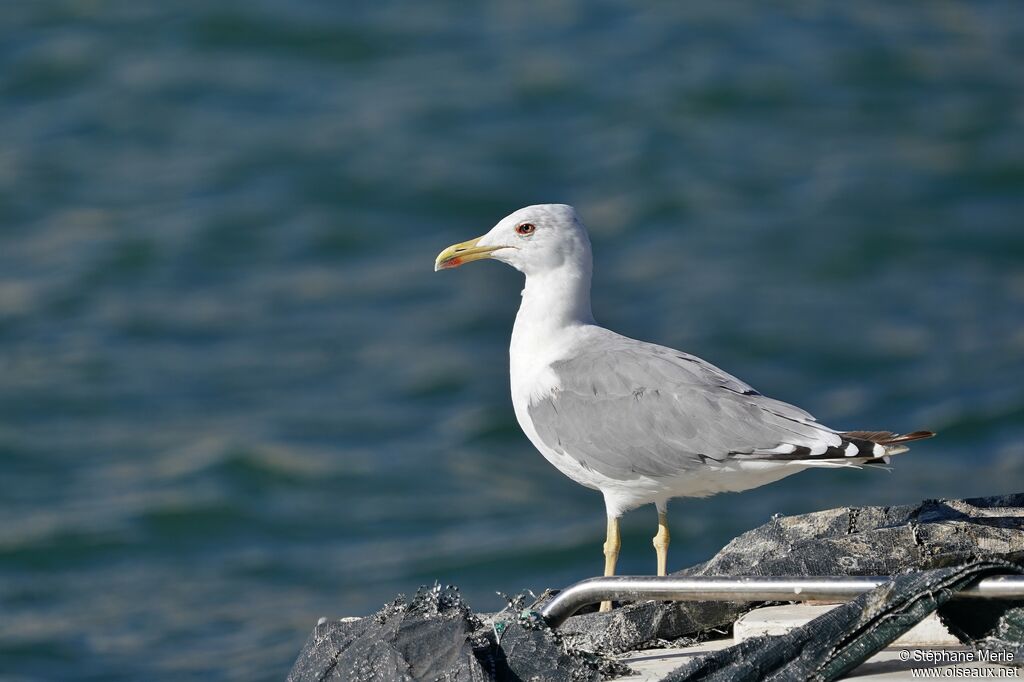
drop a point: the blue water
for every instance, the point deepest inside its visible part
(236, 398)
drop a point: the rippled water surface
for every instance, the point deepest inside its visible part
(236, 398)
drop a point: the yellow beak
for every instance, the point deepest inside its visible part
(457, 254)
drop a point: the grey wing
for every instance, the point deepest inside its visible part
(627, 409)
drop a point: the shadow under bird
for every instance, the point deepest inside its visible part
(639, 422)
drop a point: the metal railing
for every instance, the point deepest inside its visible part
(670, 588)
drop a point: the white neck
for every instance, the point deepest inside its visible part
(553, 302)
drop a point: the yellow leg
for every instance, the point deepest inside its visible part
(661, 542)
(611, 553)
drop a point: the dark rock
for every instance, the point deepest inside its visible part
(426, 639)
(529, 650)
(436, 637)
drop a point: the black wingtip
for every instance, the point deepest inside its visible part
(888, 437)
(907, 437)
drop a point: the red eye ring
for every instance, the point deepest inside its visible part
(525, 228)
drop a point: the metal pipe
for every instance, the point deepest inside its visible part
(670, 588)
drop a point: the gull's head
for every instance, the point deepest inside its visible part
(533, 240)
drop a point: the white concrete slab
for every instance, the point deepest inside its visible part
(777, 620)
(653, 664)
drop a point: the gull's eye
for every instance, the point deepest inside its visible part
(525, 228)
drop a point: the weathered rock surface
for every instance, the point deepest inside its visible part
(436, 637)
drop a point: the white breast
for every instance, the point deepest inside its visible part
(533, 351)
(532, 379)
(526, 390)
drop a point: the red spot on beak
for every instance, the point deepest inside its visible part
(453, 262)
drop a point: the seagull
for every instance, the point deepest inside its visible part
(639, 422)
